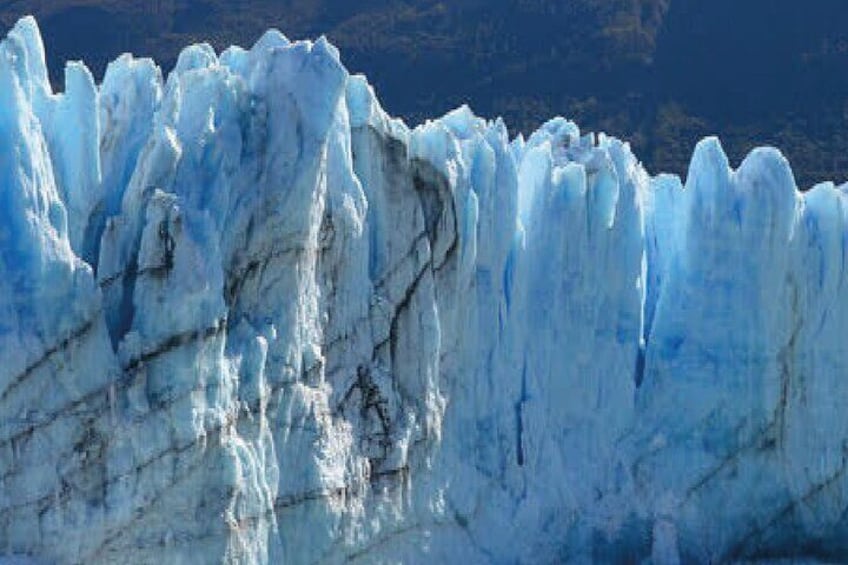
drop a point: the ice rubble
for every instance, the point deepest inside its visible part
(247, 316)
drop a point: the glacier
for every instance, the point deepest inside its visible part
(246, 316)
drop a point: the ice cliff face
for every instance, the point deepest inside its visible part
(245, 316)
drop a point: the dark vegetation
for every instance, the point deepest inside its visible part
(660, 73)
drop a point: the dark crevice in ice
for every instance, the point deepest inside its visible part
(519, 418)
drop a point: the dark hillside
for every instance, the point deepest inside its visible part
(661, 73)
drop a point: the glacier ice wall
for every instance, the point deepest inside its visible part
(246, 316)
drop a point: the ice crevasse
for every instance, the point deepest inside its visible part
(246, 316)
